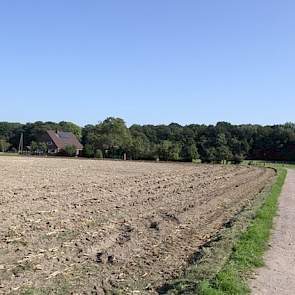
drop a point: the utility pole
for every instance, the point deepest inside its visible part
(21, 144)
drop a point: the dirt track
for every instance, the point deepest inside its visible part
(87, 227)
(278, 275)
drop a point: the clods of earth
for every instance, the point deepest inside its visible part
(93, 227)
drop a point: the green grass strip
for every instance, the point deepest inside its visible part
(249, 249)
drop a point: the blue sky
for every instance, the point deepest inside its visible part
(184, 61)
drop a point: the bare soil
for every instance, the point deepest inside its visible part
(278, 275)
(93, 227)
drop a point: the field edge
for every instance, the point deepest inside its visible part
(211, 261)
(248, 252)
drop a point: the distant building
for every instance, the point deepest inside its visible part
(56, 141)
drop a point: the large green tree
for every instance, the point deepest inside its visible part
(213, 143)
(110, 136)
(71, 127)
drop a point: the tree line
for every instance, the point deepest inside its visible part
(218, 143)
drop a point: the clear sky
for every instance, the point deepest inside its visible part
(148, 61)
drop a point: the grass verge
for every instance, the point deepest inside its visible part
(249, 249)
(8, 154)
(289, 165)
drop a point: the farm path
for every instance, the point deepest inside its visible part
(278, 275)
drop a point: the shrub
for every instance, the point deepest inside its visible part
(4, 145)
(70, 150)
(190, 153)
(237, 159)
(38, 147)
(98, 154)
(88, 151)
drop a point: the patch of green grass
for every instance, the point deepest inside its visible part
(211, 258)
(8, 154)
(289, 165)
(248, 251)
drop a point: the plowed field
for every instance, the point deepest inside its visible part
(89, 227)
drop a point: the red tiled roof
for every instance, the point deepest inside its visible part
(62, 139)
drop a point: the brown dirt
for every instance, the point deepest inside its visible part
(278, 275)
(88, 227)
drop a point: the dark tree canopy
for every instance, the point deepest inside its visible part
(111, 138)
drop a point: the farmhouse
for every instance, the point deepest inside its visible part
(56, 141)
